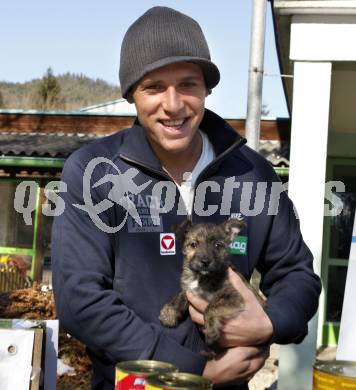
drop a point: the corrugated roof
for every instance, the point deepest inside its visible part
(61, 145)
(42, 145)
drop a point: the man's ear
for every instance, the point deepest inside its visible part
(208, 92)
(129, 97)
(130, 93)
(232, 227)
(182, 229)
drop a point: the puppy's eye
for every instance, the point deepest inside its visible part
(219, 245)
(193, 244)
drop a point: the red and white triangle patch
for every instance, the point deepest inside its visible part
(167, 244)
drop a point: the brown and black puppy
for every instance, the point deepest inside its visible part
(205, 272)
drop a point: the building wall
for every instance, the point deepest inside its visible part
(343, 99)
(323, 53)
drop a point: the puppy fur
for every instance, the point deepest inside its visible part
(205, 272)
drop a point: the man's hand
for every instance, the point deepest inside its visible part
(236, 366)
(250, 327)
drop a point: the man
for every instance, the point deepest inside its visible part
(110, 283)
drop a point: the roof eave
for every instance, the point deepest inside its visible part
(283, 10)
(322, 7)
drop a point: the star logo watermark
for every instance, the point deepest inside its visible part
(122, 186)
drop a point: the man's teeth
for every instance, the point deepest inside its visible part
(176, 123)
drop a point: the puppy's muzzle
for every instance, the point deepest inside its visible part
(200, 264)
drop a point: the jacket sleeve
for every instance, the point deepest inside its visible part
(288, 279)
(87, 305)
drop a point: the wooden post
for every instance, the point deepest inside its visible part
(37, 374)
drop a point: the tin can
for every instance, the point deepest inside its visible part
(131, 375)
(177, 381)
(334, 375)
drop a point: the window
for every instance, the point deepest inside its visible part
(13, 230)
(16, 238)
(337, 242)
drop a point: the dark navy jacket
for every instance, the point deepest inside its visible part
(110, 287)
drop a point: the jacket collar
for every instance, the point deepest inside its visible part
(137, 149)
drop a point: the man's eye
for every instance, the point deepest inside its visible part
(188, 84)
(153, 87)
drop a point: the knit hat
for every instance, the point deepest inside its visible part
(163, 36)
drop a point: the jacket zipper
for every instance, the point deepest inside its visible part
(241, 142)
(160, 173)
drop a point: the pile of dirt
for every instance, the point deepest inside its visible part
(28, 303)
(37, 303)
(76, 382)
(73, 353)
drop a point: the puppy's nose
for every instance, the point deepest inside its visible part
(205, 261)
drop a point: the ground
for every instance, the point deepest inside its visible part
(266, 378)
(36, 304)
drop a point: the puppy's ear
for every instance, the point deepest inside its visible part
(232, 227)
(182, 228)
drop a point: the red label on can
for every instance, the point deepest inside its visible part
(126, 381)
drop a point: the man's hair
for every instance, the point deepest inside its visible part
(163, 36)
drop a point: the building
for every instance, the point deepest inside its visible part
(316, 42)
(118, 107)
(33, 148)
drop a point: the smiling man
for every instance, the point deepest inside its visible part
(170, 107)
(110, 288)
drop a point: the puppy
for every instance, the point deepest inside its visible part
(205, 272)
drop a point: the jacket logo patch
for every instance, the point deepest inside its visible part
(149, 223)
(167, 243)
(237, 216)
(239, 246)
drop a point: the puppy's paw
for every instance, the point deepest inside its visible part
(211, 337)
(169, 316)
(209, 355)
(212, 329)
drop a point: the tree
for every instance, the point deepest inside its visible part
(2, 103)
(48, 94)
(264, 110)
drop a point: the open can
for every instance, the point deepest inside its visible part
(334, 375)
(131, 375)
(177, 381)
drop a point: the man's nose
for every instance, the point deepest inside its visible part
(172, 101)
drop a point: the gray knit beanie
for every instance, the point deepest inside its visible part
(163, 36)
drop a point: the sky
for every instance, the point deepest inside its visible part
(85, 37)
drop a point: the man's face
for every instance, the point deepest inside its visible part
(170, 106)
